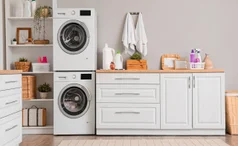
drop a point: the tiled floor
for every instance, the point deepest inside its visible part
(50, 140)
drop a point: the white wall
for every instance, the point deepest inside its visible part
(2, 46)
(173, 26)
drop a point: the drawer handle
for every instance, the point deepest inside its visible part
(9, 129)
(127, 93)
(134, 79)
(9, 82)
(127, 112)
(7, 103)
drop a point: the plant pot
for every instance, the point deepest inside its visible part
(43, 95)
(14, 42)
(24, 66)
(44, 12)
(136, 65)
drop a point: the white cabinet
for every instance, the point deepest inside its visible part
(208, 101)
(176, 101)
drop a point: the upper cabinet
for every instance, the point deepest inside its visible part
(208, 101)
(176, 101)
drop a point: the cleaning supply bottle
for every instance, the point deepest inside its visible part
(199, 57)
(27, 8)
(108, 57)
(118, 61)
(33, 8)
(192, 56)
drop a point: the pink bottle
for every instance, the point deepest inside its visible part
(44, 60)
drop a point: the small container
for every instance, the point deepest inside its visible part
(40, 67)
(196, 65)
(208, 62)
(112, 66)
(192, 56)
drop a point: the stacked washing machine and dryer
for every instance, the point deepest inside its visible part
(75, 63)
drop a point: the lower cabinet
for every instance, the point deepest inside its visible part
(124, 116)
(176, 101)
(173, 104)
(208, 101)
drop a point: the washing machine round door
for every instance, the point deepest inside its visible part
(74, 100)
(73, 37)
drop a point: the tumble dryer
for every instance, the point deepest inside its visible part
(75, 39)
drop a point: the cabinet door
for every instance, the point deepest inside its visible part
(176, 101)
(208, 101)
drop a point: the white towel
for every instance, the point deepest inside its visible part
(141, 38)
(128, 36)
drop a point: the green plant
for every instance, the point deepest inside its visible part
(136, 56)
(23, 59)
(39, 21)
(14, 40)
(44, 88)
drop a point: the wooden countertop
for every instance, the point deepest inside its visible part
(3, 72)
(163, 71)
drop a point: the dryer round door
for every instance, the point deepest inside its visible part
(73, 37)
(74, 101)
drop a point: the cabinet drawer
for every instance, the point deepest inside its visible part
(11, 129)
(133, 116)
(10, 102)
(10, 82)
(128, 93)
(124, 78)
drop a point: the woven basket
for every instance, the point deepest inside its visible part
(24, 66)
(28, 87)
(232, 112)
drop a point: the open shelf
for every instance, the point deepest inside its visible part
(30, 73)
(38, 100)
(32, 45)
(26, 18)
(38, 130)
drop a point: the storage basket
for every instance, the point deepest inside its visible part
(33, 117)
(24, 66)
(232, 112)
(136, 65)
(41, 67)
(28, 87)
(196, 65)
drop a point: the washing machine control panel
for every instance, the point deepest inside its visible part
(86, 76)
(74, 76)
(73, 12)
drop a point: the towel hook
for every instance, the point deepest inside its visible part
(134, 13)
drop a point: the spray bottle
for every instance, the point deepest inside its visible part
(199, 57)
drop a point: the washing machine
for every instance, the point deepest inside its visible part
(75, 39)
(74, 103)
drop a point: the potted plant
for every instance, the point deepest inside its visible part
(44, 89)
(41, 14)
(14, 41)
(136, 63)
(23, 64)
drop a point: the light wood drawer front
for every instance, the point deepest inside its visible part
(10, 103)
(10, 129)
(133, 116)
(10, 82)
(128, 93)
(128, 78)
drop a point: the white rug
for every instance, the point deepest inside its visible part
(145, 142)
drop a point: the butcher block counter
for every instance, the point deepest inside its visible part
(3, 72)
(163, 71)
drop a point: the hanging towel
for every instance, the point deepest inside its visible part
(141, 38)
(128, 36)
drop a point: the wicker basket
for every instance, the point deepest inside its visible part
(28, 87)
(136, 65)
(24, 66)
(232, 112)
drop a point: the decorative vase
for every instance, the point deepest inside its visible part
(44, 12)
(43, 95)
(208, 62)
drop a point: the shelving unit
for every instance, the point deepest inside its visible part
(31, 52)
(26, 18)
(32, 45)
(39, 100)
